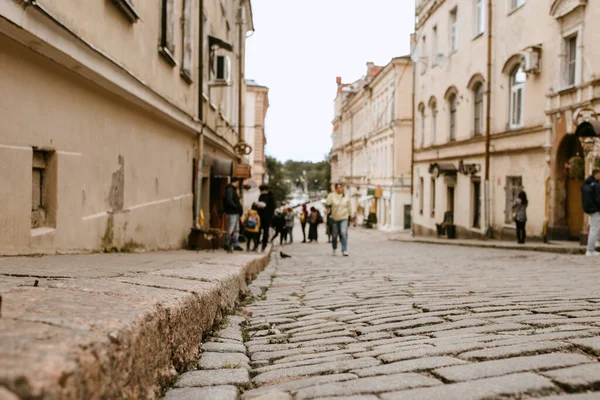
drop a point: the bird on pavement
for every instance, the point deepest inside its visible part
(283, 255)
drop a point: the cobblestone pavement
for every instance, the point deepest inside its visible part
(409, 321)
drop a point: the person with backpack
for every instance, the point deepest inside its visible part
(233, 209)
(590, 202)
(520, 216)
(252, 227)
(340, 213)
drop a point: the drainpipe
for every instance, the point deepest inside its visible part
(412, 154)
(241, 90)
(488, 121)
(199, 165)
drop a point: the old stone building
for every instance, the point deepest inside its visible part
(541, 72)
(112, 113)
(371, 151)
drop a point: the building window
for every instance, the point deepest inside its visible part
(453, 107)
(421, 196)
(476, 201)
(514, 185)
(478, 112)
(422, 128)
(479, 17)
(127, 8)
(434, 46)
(424, 52)
(514, 4)
(432, 199)
(167, 37)
(517, 88)
(570, 65)
(454, 30)
(433, 122)
(42, 190)
(188, 31)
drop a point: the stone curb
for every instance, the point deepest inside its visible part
(125, 336)
(548, 248)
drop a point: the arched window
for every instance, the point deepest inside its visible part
(517, 92)
(453, 108)
(422, 128)
(433, 109)
(478, 111)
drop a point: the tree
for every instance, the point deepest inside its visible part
(318, 175)
(277, 183)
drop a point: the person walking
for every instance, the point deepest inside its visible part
(252, 227)
(289, 224)
(233, 209)
(590, 202)
(304, 221)
(279, 226)
(267, 201)
(314, 219)
(329, 230)
(340, 213)
(520, 216)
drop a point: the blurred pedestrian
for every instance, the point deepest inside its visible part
(289, 224)
(266, 210)
(340, 213)
(590, 202)
(304, 221)
(520, 216)
(314, 220)
(252, 227)
(233, 209)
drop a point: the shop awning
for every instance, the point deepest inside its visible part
(221, 168)
(442, 169)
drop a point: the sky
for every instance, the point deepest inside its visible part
(298, 49)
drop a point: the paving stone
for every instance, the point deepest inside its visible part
(488, 369)
(509, 385)
(377, 384)
(446, 326)
(223, 360)
(224, 347)
(333, 367)
(274, 355)
(580, 396)
(592, 344)
(419, 364)
(311, 361)
(359, 397)
(213, 393)
(375, 336)
(401, 325)
(514, 350)
(311, 356)
(274, 396)
(216, 377)
(579, 377)
(481, 329)
(322, 335)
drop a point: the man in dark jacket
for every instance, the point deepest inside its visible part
(233, 209)
(267, 198)
(590, 201)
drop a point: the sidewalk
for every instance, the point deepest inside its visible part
(552, 247)
(111, 325)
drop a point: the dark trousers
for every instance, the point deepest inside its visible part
(252, 237)
(313, 233)
(283, 237)
(264, 231)
(521, 235)
(303, 232)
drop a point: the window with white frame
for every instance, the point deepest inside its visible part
(478, 111)
(479, 17)
(421, 196)
(422, 133)
(433, 122)
(188, 31)
(514, 4)
(434, 46)
(454, 30)
(570, 61)
(424, 53)
(517, 98)
(453, 109)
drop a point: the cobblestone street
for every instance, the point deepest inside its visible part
(409, 321)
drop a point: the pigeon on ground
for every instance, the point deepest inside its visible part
(283, 255)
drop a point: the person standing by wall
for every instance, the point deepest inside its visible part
(520, 216)
(233, 209)
(590, 201)
(340, 213)
(267, 200)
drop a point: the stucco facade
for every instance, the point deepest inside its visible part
(103, 119)
(533, 95)
(371, 151)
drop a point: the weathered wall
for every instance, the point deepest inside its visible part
(109, 157)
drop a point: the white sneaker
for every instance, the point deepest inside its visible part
(592, 253)
(345, 254)
(334, 253)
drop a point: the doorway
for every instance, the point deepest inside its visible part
(567, 212)
(450, 199)
(407, 216)
(476, 203)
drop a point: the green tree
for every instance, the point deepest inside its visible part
(318, 174)
(277, 183)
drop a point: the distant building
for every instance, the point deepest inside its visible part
(107, 109)
(371, 151)
(257, 104)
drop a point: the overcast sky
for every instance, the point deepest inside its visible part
(298, 49)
